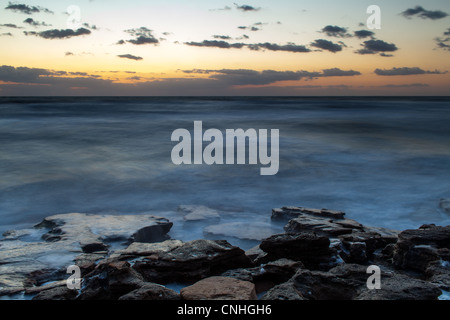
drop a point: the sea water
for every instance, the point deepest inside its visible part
(384, 161)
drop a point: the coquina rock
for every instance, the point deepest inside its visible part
(322, 255)
(219, 288)
(349, 282)
(192, 261)
(268, 275)
(416, 249)
(307, 247)
(287, 213)
(31, 257)
(353, 242)
(151, 291)
(92, 230)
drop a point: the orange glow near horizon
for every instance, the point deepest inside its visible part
(194, 37)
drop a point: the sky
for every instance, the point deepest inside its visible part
(215, 48)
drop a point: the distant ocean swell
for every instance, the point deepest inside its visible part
(383, 161)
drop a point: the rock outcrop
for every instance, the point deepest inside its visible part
(321, 256)
(63, 240)
(192, 261)
(219, 288)
(348, 282)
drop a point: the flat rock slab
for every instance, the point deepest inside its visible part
(89, 228)
(139, 249)
(192, 261)
(69, 236)
(219, 288)
(309, 248)
(293, 212)
(323, 226)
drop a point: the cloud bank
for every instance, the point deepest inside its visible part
(405, 71)
(420, 12)
(59, 34)
(26, 9)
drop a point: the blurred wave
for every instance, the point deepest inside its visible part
(384, 161)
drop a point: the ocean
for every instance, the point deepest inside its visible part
(383, 161)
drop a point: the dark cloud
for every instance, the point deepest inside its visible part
(59, 34)
(275, 47)
(419, 11)
(35, 81)
(362, 34)
(143, 36)
(444, 43)
(197, 71)
(80, 74)
(10, 25)
(9, 34)
(130, 56)
(216, 44)
(335, 31)
(38, 82)
(83, 74)
(254, 27)
(244, 36)
(326, 45)
(405, 71)
(23, 74)
(246, 8)
(255, 47)
(144, 40)
(336, 72)
(120, 42)
(68, 53)
(34, 23)
(116, 71)
(410, 85)
(234, 77)
(23, 8)
(90, 26)
(221, 37)
(377, 47)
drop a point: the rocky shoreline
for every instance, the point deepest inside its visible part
(321, 256)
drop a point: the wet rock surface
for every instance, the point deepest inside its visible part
(192, 261)
(321, 256)
(219, 288)
(63, 240)
(151, 291)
